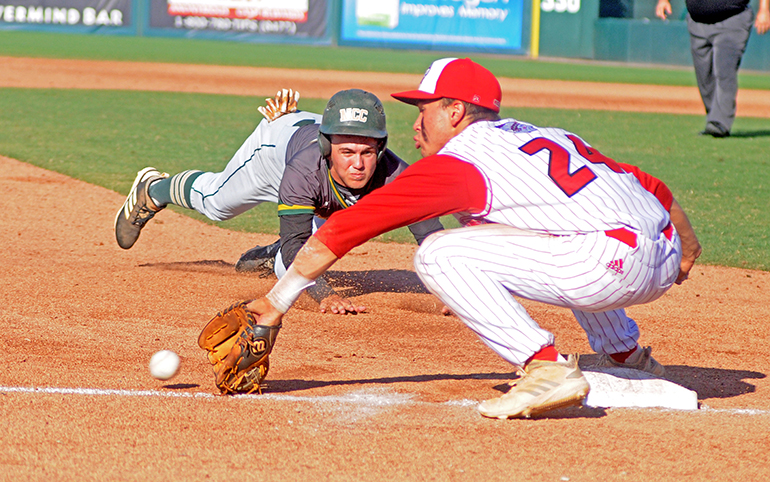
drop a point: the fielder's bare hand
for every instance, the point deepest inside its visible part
(691, 248)
(686, 265)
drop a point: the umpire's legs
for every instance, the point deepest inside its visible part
(717, 50)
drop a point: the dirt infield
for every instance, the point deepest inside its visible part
(389, 394)
(88, 74)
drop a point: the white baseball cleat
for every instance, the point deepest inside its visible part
(641, 359)
(546, 385)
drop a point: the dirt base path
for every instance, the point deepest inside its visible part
(89, 74)
(386, 395)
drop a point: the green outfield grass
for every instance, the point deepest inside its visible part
(149, 49)
(104, 137)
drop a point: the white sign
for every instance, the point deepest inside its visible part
(288, 10)
(560, 6)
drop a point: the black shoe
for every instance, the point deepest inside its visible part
(259, 259)
(715, 129)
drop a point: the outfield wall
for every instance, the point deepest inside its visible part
(613, 30)
(628, 31)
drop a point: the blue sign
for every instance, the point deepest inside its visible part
(487, 24)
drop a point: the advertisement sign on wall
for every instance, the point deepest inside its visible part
(487, 24)
(292, 18)
(63, 13)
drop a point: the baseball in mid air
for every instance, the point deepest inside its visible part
(164, 364)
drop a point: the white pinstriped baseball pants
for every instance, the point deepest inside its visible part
(476, 271)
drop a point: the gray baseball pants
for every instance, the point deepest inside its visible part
(717, 50)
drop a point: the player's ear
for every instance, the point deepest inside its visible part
(456, 112)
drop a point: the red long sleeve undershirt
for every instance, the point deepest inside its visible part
(434, 186)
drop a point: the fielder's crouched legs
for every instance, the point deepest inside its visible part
(238, 349)
(473, 288)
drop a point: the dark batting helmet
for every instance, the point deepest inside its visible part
(353, 112)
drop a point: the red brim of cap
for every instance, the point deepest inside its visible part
(414, 96)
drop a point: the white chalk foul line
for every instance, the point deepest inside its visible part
(100, 391)
(735, 411)
(370, 398)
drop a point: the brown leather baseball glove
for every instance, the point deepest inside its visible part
(238, 348)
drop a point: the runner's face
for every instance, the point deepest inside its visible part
(433, 127)
(353, 160)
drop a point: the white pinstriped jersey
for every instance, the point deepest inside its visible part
(538, 180)
(553, 209)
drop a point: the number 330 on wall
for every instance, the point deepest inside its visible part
(560, 6)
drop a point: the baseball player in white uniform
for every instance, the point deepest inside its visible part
(548, 218)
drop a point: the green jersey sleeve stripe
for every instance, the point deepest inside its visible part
(284, 210)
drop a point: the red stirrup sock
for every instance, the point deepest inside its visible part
(623, 356)
(548, 353)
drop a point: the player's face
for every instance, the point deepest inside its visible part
(433, 127)
(353, 160)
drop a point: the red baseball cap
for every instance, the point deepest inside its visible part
(461, 79)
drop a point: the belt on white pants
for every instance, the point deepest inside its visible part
(628, 237)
